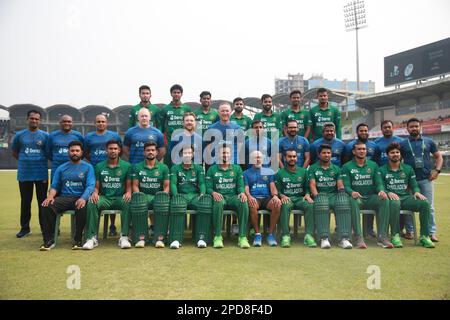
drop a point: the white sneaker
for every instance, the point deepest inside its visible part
(345, 244)
(90, 244)
(140, 244)
(325, 243)
(201, 244)
(235, 229)
(124, 243)
(159, 244)
(175, 245)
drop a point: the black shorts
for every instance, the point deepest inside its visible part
(263, 203)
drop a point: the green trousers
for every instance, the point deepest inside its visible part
(414, 205)
(106, 203)
(297, 203)
(371, 202)
(231, 203)
(340, 204)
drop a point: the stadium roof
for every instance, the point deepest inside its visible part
(391, 98)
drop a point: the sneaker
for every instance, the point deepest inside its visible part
(90, 244)
(385, 243)
(426, 242)
(112, 231)
(140, 244)
(252, 232)
(345, 244)
(218, 242)
(124, 243)
(175, 245)
(286, 241)
(243, 243)
(396, 241)
(325, 243)
(370, 234)
(257, 241)
(309, 241)
(77, 246)
(432, 238)
(408, 235)
(360, 244)
(47, 246)
(234, 229)
(23, 233)
(160, 244)
(201, 244)
(271, 240)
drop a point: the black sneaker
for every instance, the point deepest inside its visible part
(77, 246)
(112, 231)
(47, 246)
(23, 233)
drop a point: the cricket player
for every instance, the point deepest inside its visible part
(144, 94)
(322, 113)
(271, 119)
(205, 116)
(296, 113)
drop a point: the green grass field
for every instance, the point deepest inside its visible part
(231, 273)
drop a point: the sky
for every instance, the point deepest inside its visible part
(82, 52)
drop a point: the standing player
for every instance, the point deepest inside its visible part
(112, 192)
(238, 116)
(205, 116)
(57, 147)
(186, 137)
(329, 137)
(29, 148)
(262, 194)
(362, 181)
(294, 141)
(327, 190)
(150, 191)
(403, 191)
(224, 182)
(144, 94)
(296, 113)
(271, 120)
(293, 189)
(384, 141)
(188, 189)
(322, 113)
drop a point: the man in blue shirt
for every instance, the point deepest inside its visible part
(29, 148)
(57, 147)
(262, 194)
(73, 184)
(257, 141)
(296, 142)
(416, 150)
(329, 137)
(384, 141)
(186, 137)
(137, 136)
(95, 151)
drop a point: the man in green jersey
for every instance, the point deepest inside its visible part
(188, 189)
(323, 113)
(112, 192)
(144, 94)
(403, 191)
(362, 181)
(225, 183)
(150, 191)
(205, 116)
(327, 190)
(295, 113)
(293, 189)
(271, 120)
(238, 116)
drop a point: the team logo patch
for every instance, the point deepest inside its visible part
(156, 173)
(299, 179)
(329, 113)
(300, 147)
(232, 173)
(332, 173)
(211, 117)
(370, 150)
(119, 173)
(81, 175)
(39, 142)
(369, 170)
(265, 178)
(151, 137)
(402, 175)
(193, 173)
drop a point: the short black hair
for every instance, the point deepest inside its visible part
(265, 96)
(357, 143)
(150, 144)
(384, 122)
(257, 121)
(327, 125)
(412, 120)
(291, 120)
(361, 125)
(320, 90)
(392, 146)
(323, 146)
(144, 87)
(295, 92)
(33, 111)
(290, 150)
(176, 87)
(203, 93)
(238, 99)
(113, 141)
(76, 143)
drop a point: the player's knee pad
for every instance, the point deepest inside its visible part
(162, 203)
(138, 203)
(342, 204)
(321, 204)
(205, 203)
(178, 205)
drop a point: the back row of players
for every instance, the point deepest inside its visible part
(148, 183)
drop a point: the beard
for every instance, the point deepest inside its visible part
(267, 108)
(150, 157)
(75, 158)
(238, 109)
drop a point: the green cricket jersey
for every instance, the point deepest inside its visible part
(204, 120)
(366, 179)
(226, 182)
(400, 181)
(326, 179)
(244, 122)
(171, 118)
(271, 123)
(151, 180)
(302, 116)
(133, 118)
(186, 181)
(113, 180)
(292, 184)
(319, 117)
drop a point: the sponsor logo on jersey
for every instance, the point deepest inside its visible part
(81, 175)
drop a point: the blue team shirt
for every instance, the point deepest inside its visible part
(195, 140)
(299, 143)
(382, 144)
(337, 150)
(58, 146)
(262, 144)
(428, 146)
(258, 181)
(373, 152)
(31, 147)
(223, 128)
(74, 180)
(136, 137)
(96, 145)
